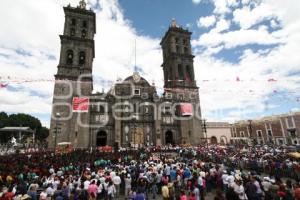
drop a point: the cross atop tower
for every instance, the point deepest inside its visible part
(174, 23)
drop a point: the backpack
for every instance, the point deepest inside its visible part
(103, 191)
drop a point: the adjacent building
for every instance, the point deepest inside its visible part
(218, 132)
(275, 129)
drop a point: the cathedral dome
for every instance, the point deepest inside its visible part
(136, 79)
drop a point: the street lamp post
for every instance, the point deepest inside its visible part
(250, 130)
(57, 115)
(205, 131)
(134, 132)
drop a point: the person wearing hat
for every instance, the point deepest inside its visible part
(266, 184)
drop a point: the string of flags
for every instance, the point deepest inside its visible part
(237, 79)
(3, 85)
(5, 81)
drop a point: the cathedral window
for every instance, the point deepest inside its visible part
(180, 72)
(83, 33)
(189, 73)
(82, 58)
(73, 22)
(177, 49)
(169, 95)
(184, 41)
(102, 109)
(146, 110)
(170, 74)
(186, 50)
(167, 109)
(137, 92)
(70, 56)
(176, 40)
(84, 24)
(72, 31)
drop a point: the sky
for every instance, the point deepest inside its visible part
(247, 62)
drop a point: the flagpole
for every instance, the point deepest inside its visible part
(135, 68)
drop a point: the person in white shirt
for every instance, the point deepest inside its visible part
(50, 191)
(230, 179)
(127, 185)
(224, 180)
(239, 189)
(43, 195)
(111, 190)
(197, 193)
(117, 182)
(266, 184)
(86, 184)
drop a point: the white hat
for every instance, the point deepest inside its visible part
(272, 181)
(267, 179)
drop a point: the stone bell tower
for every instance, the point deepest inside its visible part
(179, 80)
(73, 77)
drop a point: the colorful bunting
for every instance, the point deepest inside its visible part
(3, 85)
(272, 80)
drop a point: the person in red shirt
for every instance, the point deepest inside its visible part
(193, 197)
(297, 191)
(9, 195)
(183, 196)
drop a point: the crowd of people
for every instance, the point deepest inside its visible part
(183, 173)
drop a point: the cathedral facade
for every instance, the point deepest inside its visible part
(131, 113)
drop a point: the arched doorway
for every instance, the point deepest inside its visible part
(223, 140)
(213, 140)
(169, 138)
(101, 139)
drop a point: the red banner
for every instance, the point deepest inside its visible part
(80, 104)
(186, 109)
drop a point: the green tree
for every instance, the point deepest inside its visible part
(3, 119)
(24, 120)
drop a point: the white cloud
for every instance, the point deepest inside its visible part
(221, 25)
(237, 38)
(224, 6)
(196, 1)
(207, 21)
(247, 17)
